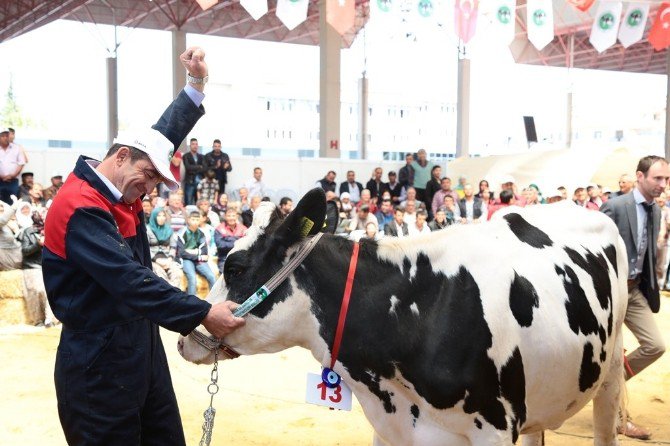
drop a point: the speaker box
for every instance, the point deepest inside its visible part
(529, 124)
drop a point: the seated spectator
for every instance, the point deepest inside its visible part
(221, 206)
(508, 183)
(24, 215)
(176, 212)
(366, 199)
(212, 217)
(486, 197)
(352, 187)
(376, 185)
(394, 188)
(484, 186)
(285, 206)
(208, 230)
(27, 181)
(371, 232)
(384, 214)
(451, 211)
(554, 196)
(410, 212)
(248, 215)
(162, 247)
(208, 187)
(243, 199)
(147, 208)
(51, 191)
(327, 183)
(226, 234)
(440, 220)
(361, 219)
(420, 226)
(346, 206)
(470, 208)
(398, 227)
(438, 197)
(36, 196)
(581, 198)
(564, 192)
(506, 199)
(411, 196)
(10, 249)
(193, 254)
(460, 187)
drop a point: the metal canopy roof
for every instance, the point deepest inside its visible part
(228, 18)
(572, 25)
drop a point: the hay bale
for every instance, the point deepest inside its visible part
(12, 304)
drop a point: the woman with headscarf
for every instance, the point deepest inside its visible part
(162, 246)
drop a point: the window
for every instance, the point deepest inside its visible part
(251, 151)
(60, 144)
(306, 153)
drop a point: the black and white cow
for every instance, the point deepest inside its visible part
(468, 336)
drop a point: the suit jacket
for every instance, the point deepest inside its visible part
(392, 229)
(344, 187)
(622, 210)
(376, 193)
(192, 167)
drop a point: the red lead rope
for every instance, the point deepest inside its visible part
(345, 305)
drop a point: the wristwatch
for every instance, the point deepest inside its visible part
(196, 80)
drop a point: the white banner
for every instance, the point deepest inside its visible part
(255, 8)
(292, 12)
(540, 22)
(633, 23)
(606, 25)
(503, 23)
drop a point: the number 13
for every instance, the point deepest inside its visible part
(335, 398)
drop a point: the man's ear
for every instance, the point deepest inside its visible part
(121, 155)
(306, 219)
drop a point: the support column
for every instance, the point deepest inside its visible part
(178, 72)
(112, 101)
(667, 110)
(330, 43)
(568, 123)
(463, 109)
(363, 118)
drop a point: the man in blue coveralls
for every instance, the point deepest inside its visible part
(112, 379)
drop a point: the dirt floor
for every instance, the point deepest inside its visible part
(262, 397)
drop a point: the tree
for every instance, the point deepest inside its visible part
(11, 114)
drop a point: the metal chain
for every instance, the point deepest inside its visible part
(210, 412)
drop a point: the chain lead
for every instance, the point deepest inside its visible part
(210, 412)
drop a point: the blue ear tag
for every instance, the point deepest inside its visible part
(330, 378)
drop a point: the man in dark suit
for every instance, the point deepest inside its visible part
(194, 164)
(376, 186)
(220, 162)
(352, 186)
(638, 219)
(397, 227)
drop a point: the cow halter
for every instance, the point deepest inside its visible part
(259, 296)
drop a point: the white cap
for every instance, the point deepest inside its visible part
(156, 146)
(4, 130)
(344, 195)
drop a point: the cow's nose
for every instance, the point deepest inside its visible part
(180, 346)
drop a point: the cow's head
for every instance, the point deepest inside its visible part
(284, 318)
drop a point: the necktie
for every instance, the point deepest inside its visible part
(650, 272)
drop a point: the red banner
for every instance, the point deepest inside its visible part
(466, 19)
(340, 14)
(582, 5)
(659, 34)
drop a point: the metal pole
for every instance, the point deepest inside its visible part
(667, 110)
(568, 124)
(112, 101)
(363, 122)
(330, 43)
(463, 106)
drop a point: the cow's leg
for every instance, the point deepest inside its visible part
(608, 400)
(536, 439)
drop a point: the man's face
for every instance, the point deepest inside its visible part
(420, 220)
(216, 147)
(581, 195)
(392, 178)
(4, 139)
(440, 216)
(204, 206)
(362, 214)
(330, 176)
(57, 182)
(258, 173)
(468, 191)
(593, 192)
(244, 193)
(193, 146)
(508, 186)
(410, 207)
(351, 177)
(378, 174)
(36, 191)
(445, 184)
(135, 179)
(409, 158)
(193, 222)
(365, 196)
(287, 207)
(411, 194)
(422, 155)
(398, 216)
(175, 201)
(255, 202)
(386, 207)
(231, 218)
(626, 184)
(654, 182)
(449, 202)
(28, 180)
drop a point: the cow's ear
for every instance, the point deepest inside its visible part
(306, 219)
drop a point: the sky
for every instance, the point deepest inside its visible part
(58, 76)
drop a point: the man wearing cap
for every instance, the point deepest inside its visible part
(112, 381)
(27, 182)
(56, 184)
(12, 161)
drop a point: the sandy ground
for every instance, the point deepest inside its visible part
(262, 397)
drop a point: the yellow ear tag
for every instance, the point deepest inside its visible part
(306, 225)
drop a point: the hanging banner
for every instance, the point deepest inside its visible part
(633, 23)
(206, 4)
(540, 22)
(292, 12)
(465, 19)
(606, 25)
(659, 34)
(582, 5)
(503, 23)
(255, 8)
(340, 14)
